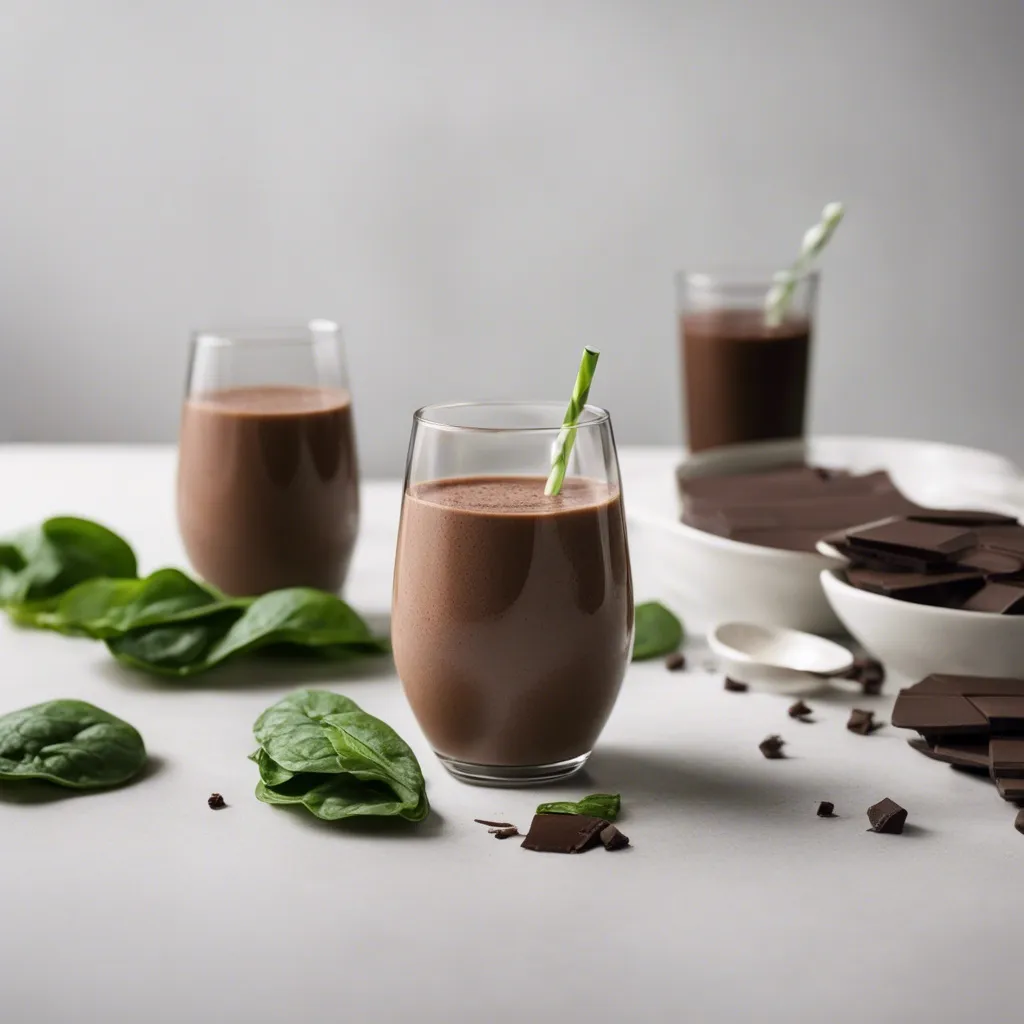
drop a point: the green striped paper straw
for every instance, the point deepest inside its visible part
(780, 295)
(567, 435)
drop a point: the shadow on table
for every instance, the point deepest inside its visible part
(390, 829)
(39, 791)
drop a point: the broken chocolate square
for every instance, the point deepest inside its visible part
(733, 686)
(563, 833)
(800, 711)
(938, 714)
(1005, 714)
(863, 722)
(887, 817)
(675, 662)
(934, 542)
(826, 809)
(771, 747)
(613, 839)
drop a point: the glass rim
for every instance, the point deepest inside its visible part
(278, 333)
(740, 276)
(422, 416)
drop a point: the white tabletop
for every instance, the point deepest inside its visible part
(735, 903)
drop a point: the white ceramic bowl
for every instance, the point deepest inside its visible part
(914, 640)
(708, 579)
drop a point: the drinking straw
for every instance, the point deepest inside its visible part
(567, 435)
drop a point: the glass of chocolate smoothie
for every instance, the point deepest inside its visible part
(744, 372)
(512, 617)
(268, 486)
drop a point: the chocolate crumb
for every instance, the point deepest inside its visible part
(735, 687)
(826, 809)
(613, 839)
(1018, 822)
(504, 833)
(863, 722)
(494, 824)
(771, 747)
(887, 817)
(800, 710)
(676, 662)
(216, 802)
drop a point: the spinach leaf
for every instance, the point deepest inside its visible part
(598, 805)
(70, 743)
(657, 631)
(321, 750)
(44, 561)
(103, 608)
(295, 619)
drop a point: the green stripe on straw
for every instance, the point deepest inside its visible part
(567, 435)
(780, 295)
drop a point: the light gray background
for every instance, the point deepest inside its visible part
(478, 188)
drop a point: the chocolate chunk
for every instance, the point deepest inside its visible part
(998, 598)
(887, 817)
(871, 676)
(735, 687)
(1005, 714)
(992, 563)
(968, 756)
(494, 824)
(1006, 757)
(675, 662)
(1002, 538)
(1011, 789)
(563, 833)
(613, 839)
(863, 722)
(799, 710)
(771, 747)
(966, 686)
(939, 588)
(826, 809)
(504, 833)
(215, 802)
(934, 542)
(1018, 822)
(937, 715)
(962, 517)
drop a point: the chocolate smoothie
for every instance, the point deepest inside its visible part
(268, 492)
(743, 380)
(512, 616)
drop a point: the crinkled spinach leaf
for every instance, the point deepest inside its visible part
(71, 743)
(598, 805)
(657, 631)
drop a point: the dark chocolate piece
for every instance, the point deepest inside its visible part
(940, 588)
(938, 715)
(675, 662)
(494, 824)
(613, 839)
(771, 747)
(1018, 822)
(962, 517)
(933, 542)
(826, 809)
(216, 802)
(997, 598)
(966, 686)
(1006, 756)
(800, 711)
(887, 817)
(863, 722)
(733, 686)
(1002, 538)
(992, 563)
(563, 833)
(504, 833)
(871, 677)
(1011, 789)
(972, 757)
(1005, 714)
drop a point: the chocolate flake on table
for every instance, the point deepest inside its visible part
(504, 833)
(800, 711)
(1018, 822)
(675, 662)
(826, 809)
(887, 817)
(216, 802)
(771, 747)
(734, 686)
(494, 824)
(613, 839)
(563, 833)
(863, 722)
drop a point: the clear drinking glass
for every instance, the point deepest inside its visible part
(744, 376)
(268, 484)
(512, 616)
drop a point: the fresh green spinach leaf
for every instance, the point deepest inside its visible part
(70, 743)
(656, 631)
(598, 805)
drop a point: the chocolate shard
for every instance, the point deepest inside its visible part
(863, 722)
(563, 833)
(771, 747)
(613, 839)
(733, 686)
(504, 833)
(1018, 822)
(494, 824)
(826, 809)
(887, 817)
(675, 662)
(938, 715)
(934, 542)
(800, 711)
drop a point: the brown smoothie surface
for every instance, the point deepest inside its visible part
(512, 615)
(743, 380)
(268, 492)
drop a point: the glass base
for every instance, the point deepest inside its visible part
(512, 775)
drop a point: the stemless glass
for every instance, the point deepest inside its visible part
(512, 614)
(744, 377)
(268, 485)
